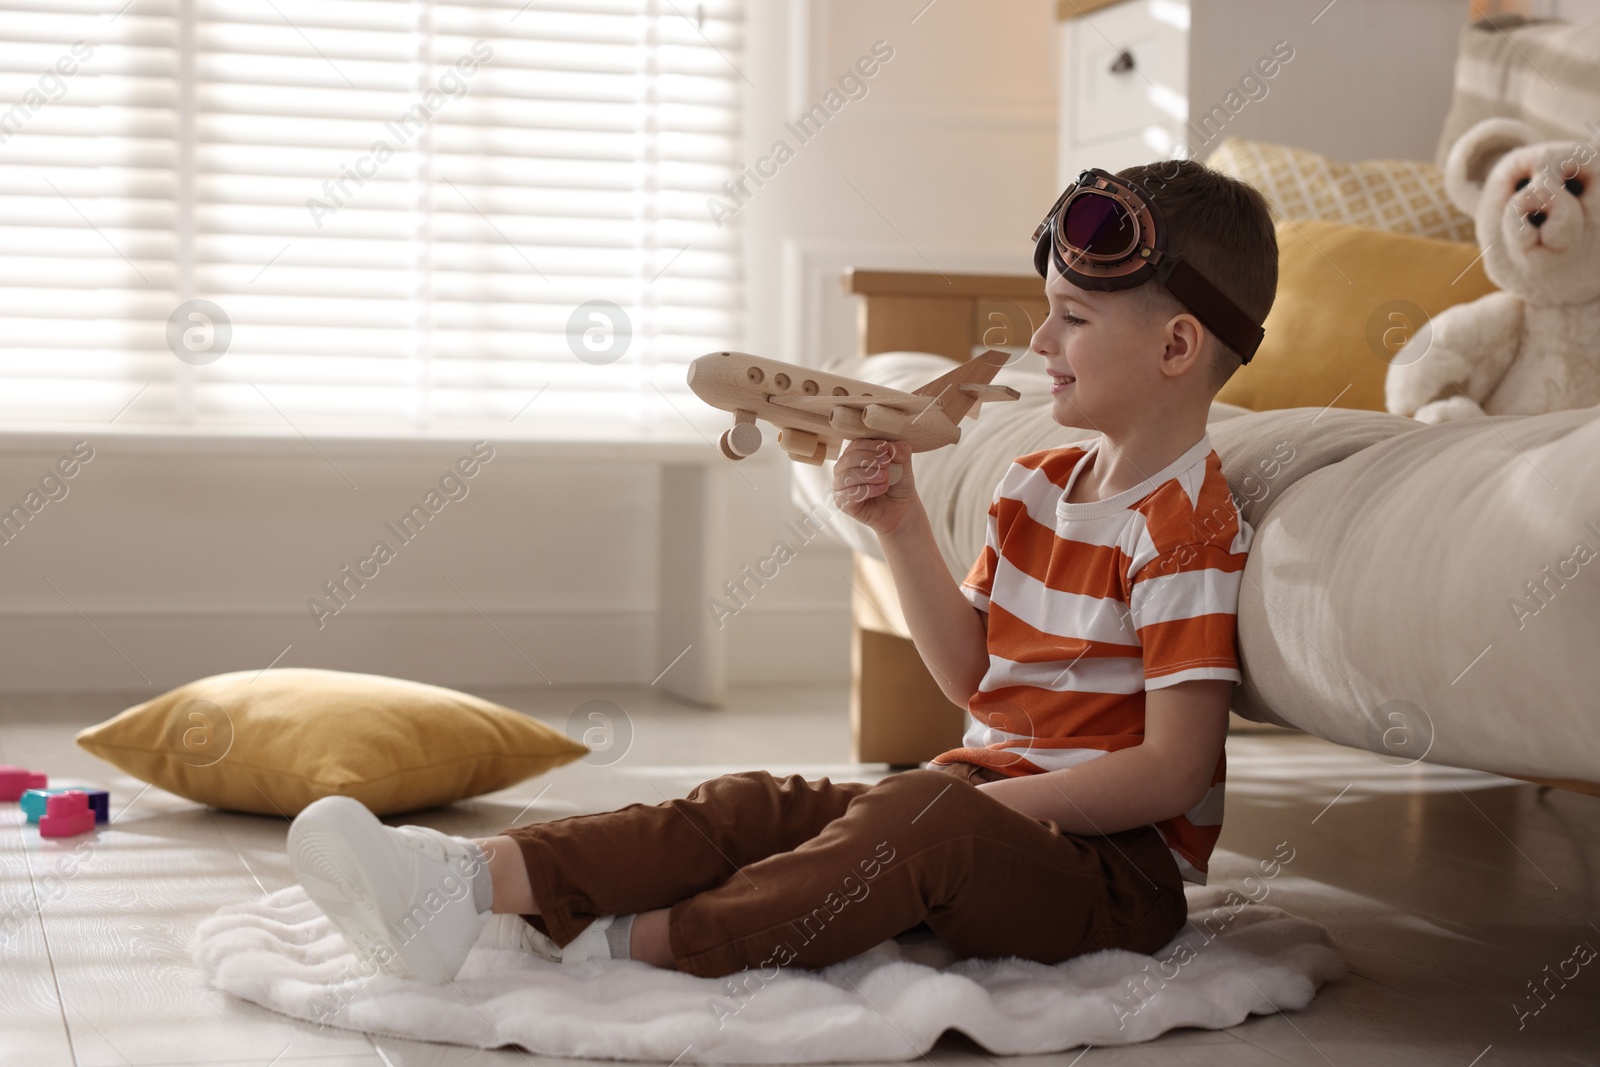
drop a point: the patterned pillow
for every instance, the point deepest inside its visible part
(1397, 195)
(1545, 73)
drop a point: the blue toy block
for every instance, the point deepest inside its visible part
(34, 802)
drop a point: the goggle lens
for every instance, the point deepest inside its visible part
(1098, 226)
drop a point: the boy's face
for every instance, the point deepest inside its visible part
(1103, 352)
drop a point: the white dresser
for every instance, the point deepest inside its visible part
(1143, 80)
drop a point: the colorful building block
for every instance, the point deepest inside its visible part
(15, 781)
(67, 815)
(34, 802)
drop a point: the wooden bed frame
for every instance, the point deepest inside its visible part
(898, 714)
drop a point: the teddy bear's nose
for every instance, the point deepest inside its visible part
(1537, 218)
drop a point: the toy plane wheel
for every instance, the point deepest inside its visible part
(740, 440)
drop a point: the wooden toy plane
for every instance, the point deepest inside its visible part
(816, 411)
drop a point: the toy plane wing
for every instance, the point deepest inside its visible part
(964, 388)
(825, 405)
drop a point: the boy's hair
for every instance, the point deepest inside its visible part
(1221, 226)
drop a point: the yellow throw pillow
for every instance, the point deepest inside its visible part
(271, 742)
(1348, 298)
(1397, 195)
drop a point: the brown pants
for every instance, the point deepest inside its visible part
(761, 872)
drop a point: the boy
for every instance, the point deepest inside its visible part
(1093, 643)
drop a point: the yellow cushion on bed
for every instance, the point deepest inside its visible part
(273, 741)
(1347, 298)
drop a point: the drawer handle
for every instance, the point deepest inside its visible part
(1123, 63)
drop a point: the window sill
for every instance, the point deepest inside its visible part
(592, 441)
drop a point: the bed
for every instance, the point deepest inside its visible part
(1355, 623)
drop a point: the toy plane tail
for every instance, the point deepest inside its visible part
(960, 391)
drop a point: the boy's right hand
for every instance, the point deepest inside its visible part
(872, 483)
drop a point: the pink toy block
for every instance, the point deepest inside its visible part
(15, 781)
(67, 815)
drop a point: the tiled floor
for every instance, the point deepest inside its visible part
(1446, 891)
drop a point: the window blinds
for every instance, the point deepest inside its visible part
(386, 213)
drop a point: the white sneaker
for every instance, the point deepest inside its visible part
(589, 945)
(401, 896)
(515, 934)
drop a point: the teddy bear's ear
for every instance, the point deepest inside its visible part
(1474, 155)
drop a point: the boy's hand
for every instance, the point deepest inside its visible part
(872, 483)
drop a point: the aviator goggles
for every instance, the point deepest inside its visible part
(1103, 234)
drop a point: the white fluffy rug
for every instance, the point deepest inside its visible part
(890, 1003)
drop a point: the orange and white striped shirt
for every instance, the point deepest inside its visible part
(1091, 605)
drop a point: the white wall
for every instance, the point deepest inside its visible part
(946, 164)
(1370, 79)
(190, 564)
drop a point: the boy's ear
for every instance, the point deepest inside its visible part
(1185, 342)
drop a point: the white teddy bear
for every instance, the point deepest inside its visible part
(1534, 346)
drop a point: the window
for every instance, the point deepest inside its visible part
(362, 213)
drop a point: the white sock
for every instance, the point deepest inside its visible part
(482, 882)
(619, 937)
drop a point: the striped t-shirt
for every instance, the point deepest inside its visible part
(1090, 605)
